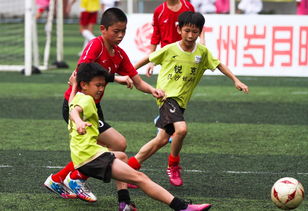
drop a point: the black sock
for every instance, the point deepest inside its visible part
(178, 204)
(123, 196)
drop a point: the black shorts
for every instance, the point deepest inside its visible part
(103, 126)
(169, 113)
(100, 167)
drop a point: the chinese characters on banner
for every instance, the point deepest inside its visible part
(255, 42)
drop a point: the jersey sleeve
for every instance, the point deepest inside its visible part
(155, 39)
(157, 56)
(126, 67)
(209, 61)
(87, 104)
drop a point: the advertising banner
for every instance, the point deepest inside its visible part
(252, 45)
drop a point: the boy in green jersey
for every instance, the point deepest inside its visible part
(93, 160)
(182, 65)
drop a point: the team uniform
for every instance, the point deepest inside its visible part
(89, 11)
(95, 51)
(165, 22)
(180, 73)
(86, 154)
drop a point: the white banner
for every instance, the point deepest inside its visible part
(255, 45)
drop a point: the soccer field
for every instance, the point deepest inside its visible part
(237, 145)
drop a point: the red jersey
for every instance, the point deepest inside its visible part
(165, 22)
(95, 51)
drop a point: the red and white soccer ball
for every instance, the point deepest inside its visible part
(287, 193)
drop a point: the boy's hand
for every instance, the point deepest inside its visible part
(158, 93)
(125, 80)
(81, 127)
(73, 79)
(241, 87)
(150, 69)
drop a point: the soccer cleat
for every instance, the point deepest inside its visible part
(174, 173)
(123, 206)
(197, 207)
(59, 189)
(80, 188)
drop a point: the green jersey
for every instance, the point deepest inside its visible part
(84, 148)
(181, 71)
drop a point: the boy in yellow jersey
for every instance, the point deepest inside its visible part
(182, 65)
(94, 160)
(88, 17)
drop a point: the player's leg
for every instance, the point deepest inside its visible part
(147, 151)
(123, 194)
(174, 168)
(152, 146)
(112, 139)
(121, 171)
(180, 131)
(84, 22)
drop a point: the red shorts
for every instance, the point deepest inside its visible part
(87, 18)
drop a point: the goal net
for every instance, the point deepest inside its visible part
(25, 45)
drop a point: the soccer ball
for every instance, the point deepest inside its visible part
(287, 193)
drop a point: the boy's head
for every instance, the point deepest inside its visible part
(91, 79)
(113, 26)
(189, 18)
(112, 16)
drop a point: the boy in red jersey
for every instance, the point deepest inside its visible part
(165, 19)
(105, 51)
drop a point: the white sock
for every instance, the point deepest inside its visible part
(87, 35)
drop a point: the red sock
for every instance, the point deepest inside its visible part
(133, 162)
(173, 160)
(60, 176)
(78, 175)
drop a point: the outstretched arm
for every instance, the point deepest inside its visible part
(237, 83)
(124, 80)
(147, 88)
(141, 62)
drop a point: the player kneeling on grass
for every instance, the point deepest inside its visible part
(93, 160)
(182, 65)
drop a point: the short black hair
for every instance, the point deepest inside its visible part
(87, 71)
(112, 16)
(191, 18)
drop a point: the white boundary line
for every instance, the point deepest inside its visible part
(188, 170)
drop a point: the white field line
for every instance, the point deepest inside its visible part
(6, 166)
(186, 170)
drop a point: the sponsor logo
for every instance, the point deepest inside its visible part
(197, 59)
(100, 123)
(143, 37)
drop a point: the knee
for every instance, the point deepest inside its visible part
(122, 145)
(181, 132)
(122, 156)
(140, 178)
